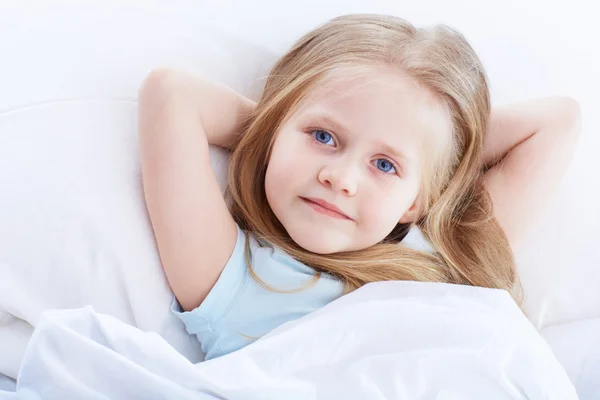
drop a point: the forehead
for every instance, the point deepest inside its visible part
(388, 108)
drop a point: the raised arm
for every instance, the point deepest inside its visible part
(178, 116)
(527, 150)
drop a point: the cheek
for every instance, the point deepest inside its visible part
(284, 170)
(273, 183)
(383, 210)
(290, 161)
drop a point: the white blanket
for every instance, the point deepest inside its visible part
(392, 340)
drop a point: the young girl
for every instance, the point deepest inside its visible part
(366, 128)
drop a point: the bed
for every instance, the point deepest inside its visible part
(75, 234)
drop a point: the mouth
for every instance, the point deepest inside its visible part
(322, 207)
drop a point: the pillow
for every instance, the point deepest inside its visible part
(576, 345)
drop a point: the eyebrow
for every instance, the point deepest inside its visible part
(330, 120)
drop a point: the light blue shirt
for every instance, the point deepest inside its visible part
(238, 310)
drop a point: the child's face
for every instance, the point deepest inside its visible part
(367, 160)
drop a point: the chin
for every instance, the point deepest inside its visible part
(323, 243)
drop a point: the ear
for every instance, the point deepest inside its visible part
(413, 213)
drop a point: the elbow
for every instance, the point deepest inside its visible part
(571, 116)
(156, 82)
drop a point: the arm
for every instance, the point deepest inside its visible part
(221, 110)
(195, 233)
(527, 150)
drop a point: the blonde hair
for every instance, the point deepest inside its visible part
(470, 247)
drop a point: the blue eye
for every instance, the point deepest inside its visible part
(384, 165)
(322, 136)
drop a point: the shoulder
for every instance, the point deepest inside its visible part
(277, 268)
(264, 255)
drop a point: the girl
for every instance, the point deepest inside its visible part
(366, 128)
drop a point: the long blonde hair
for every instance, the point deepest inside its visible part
(470, 247)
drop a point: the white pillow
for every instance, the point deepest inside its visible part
(576, 345)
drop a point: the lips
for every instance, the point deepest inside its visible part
(325, 206)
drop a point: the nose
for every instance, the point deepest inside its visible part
(340, 177)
